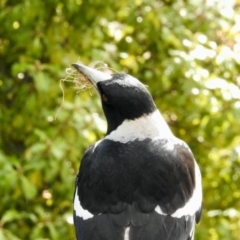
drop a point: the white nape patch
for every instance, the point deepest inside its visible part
(80, 212)
(194, 203)
(159, 210)
(126, 234)
(95, 145)
(147, 126)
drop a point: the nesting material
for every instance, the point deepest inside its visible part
(80, 81)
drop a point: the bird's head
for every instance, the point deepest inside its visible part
(123, 96)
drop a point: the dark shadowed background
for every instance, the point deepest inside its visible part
(187, 52)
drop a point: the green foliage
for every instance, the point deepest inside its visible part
(187, 52)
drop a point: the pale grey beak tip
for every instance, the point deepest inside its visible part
(94, 75)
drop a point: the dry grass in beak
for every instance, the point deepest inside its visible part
(80, 81)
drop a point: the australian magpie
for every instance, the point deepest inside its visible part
(139, 182)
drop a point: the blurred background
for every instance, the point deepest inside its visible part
(186, 51)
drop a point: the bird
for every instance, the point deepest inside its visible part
(139, 182)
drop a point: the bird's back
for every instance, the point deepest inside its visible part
(138, 190)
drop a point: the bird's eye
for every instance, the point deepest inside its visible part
(104, 98)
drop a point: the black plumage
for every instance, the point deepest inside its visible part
(140, 182)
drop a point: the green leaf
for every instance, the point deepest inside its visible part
(10, 215)
(29, 190)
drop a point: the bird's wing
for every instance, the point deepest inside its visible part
(136, 191)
